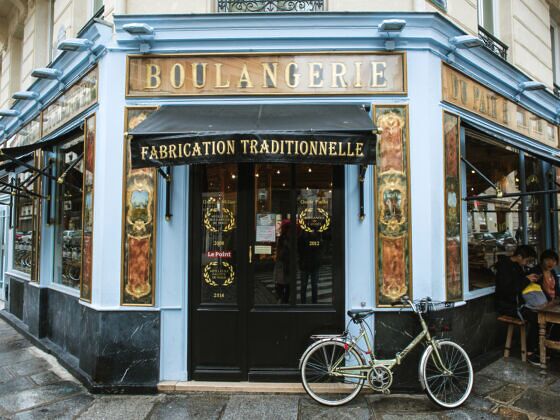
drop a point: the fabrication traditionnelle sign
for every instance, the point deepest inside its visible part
(335, 150)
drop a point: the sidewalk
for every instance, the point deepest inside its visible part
(34, 386)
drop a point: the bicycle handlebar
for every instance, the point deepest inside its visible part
(426, 304)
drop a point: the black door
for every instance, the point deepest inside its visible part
(267, 258)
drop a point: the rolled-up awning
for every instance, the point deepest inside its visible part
(192, 134)
(16, 153)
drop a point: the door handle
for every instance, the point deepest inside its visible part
(250, 254)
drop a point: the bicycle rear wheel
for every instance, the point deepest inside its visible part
(450, 384)
(321, 377)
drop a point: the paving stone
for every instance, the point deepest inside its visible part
(468, 414)
(555, 386)
(5, 375)
(15, 385)
(483, 385)
(263, 407)
(129, 407)
(516, 372)
(507, 393)
(30, 367)
(356, 409)
(45, 378)
(510, 413)
(61, 410)
(400, 403)
(30, 398)
(540, 402)
(17, 343)
(16, 356)
(477, 403)
(192, 406)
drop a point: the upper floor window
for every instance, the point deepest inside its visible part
(264, 6)
(487, 15)
(555, 49)
(96, 6)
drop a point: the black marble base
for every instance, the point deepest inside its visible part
(473, 326)
(16, 289)
(110, 351)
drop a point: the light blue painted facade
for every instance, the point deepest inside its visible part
(426, 42)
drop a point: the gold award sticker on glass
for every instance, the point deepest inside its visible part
(219, 273)
(318, 222)
(218, 218)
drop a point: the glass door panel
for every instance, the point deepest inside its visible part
(272, 241)
(218, 227)
(314, 185)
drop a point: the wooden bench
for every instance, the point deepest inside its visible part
(512, 323)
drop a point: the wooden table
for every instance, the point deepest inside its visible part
(549, 315)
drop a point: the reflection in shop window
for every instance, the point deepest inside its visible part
(68, 249)
(23, 227)
(493, 224)
(535, 204)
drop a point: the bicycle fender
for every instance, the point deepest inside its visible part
(316, 343)
(423, 361)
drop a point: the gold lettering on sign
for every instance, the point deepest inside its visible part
(338, 72)
(253, 147)
(219, 83)
(461, 90)
(270, 75)
(316, 75)
(359, 73)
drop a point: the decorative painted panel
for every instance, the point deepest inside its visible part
(139, 227)
(452, 197)
(87, 209)
(392, 211)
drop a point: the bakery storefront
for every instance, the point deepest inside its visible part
(267, 196)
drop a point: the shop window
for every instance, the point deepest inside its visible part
(68, 248)
(494, 227)
(264, 6)
(24, 228)
(535, 204)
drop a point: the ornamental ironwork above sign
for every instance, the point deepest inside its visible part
(264, 6)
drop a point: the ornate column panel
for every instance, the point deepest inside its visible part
(392, 205)
(139, 225)
(87, 209)
(452, 200)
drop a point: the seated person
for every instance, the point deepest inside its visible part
(511, 279)
(548, 277)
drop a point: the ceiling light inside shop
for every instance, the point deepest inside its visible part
(309, 170)
(233, 176)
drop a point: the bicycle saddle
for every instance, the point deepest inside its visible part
(359, 314)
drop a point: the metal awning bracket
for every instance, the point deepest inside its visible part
(361, 180)
(168, 178)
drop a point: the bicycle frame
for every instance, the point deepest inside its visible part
(338, 370)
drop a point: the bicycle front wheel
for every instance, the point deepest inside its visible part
(447, 374)
(332, 374)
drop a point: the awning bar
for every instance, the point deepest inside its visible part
(72, 165)
(474, 168)
(22, 189)
(27, 165)
(520, 194)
